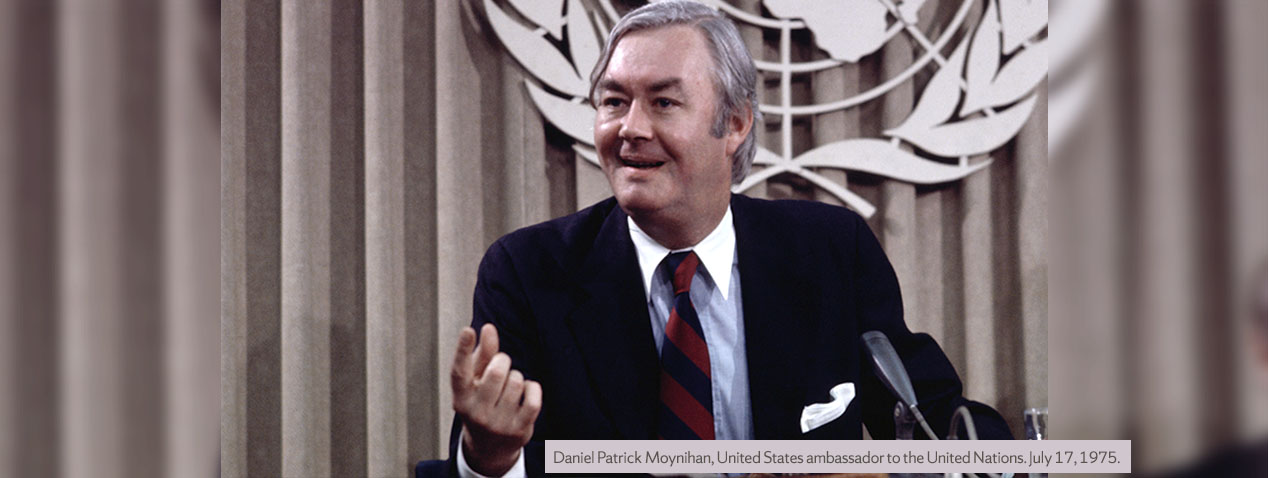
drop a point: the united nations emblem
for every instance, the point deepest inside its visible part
(976, 100)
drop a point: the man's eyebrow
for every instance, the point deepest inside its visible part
(607, 84)
(667, 84)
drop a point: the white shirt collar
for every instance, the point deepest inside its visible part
(715, 251)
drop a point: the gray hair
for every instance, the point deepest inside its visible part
(734, 75)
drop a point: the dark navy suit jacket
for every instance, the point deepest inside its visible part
(568, 302)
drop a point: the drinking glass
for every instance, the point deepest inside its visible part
(1036, 423)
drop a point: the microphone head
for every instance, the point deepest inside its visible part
(889, 367)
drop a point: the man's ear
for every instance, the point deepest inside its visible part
(738, 127)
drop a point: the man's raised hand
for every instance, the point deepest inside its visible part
(497, 405)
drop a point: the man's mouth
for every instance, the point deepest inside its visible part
(640, 163)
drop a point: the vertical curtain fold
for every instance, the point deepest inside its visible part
(8, 257)
(112, 325)
(347, 239)
(1167, 220)
(387, 377)
(1247, 174)
(426, 375)
(31, 440)
(1031, 216)
(190, 213)
(467, 82)
(250, 239)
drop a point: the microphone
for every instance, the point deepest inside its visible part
(893, 374)
(890, 369)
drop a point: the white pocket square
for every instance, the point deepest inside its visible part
(818, 414)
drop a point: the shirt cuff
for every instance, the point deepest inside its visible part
(517, 470)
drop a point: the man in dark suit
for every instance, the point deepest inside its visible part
(676, 309)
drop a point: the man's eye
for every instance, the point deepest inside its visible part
(664, 103)
(613, 102)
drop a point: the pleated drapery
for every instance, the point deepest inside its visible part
(1162, 187)
(108, 246)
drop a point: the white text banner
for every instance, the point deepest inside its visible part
(838, 456)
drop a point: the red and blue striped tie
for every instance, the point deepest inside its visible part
(686, 392)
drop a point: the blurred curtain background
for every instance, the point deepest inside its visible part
(108, 238)
(1160, 172)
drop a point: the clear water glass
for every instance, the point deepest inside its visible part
(1036, 423)
(1036, 428)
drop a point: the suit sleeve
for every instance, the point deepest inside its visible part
(938, 388)
(500, 300)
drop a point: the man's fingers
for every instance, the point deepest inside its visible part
(493, 379)
(513, 391)
(487, 349)
(532, 401)
(461, 371)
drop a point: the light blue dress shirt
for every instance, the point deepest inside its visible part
(715, 293)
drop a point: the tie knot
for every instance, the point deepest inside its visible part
(684, 265)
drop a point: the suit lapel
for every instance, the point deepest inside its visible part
(775, 341)
(613, 331)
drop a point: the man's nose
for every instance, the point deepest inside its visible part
(637, 123)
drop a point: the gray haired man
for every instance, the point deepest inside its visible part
(677, 309)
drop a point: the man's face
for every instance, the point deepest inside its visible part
(656, 104)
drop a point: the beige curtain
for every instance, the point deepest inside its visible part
(1164, 187)
(108, 249)
(371, 151)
